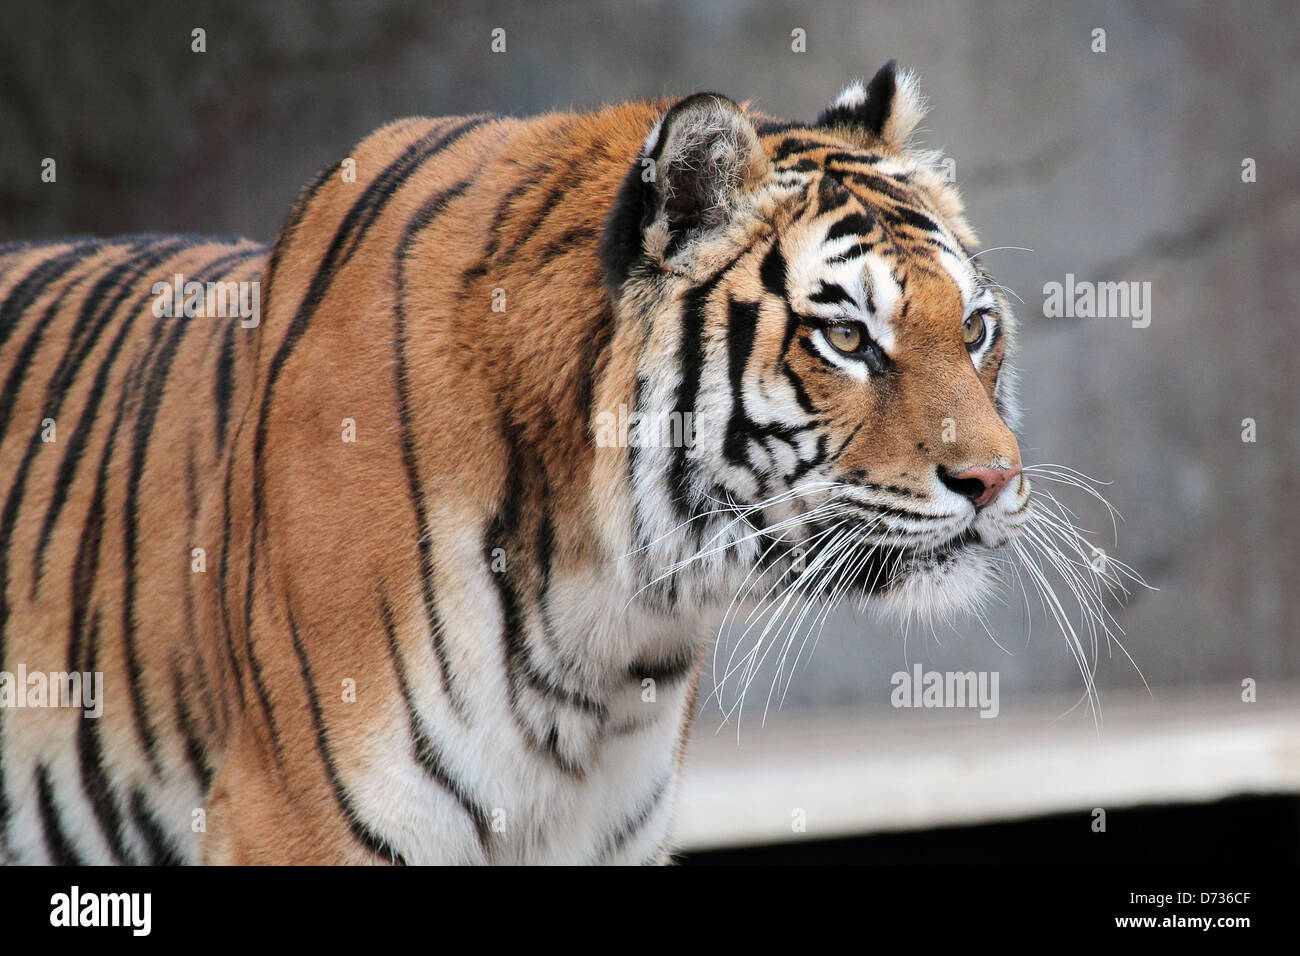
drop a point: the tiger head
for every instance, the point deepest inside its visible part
(817, 332)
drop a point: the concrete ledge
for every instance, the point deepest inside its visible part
(851, 772)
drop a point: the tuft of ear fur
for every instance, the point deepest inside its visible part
(886, 111)
(694, 170)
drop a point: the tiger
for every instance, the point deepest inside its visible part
(404, 569)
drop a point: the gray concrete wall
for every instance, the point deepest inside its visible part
(1117, 165)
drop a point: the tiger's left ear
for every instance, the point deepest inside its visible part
(886, 111)
(705, 153)
(691, 178)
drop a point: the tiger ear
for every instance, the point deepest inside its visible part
(689, 179)
(887, 111)
(704, 154)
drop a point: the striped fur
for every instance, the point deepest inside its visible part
(483, 569)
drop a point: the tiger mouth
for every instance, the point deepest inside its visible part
(880, 569)
(906, 562)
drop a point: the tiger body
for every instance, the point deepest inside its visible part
(431, 622)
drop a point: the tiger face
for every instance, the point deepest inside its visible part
(810, 297)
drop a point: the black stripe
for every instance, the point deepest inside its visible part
(250, 652)
(216, 724)
(691, 362)
(347, 237)
(595, 356)
(854, 224)
(796, 383)
(855, 251)
(802, 166)
(621, 243)
(874, 181)
(363, 834)
(85, 567)
(289, 231)
(631, 826)
(194, 749)
(742, 326)
(191, 484)
(8, 519)
(633, 457)
(789, 147)
(427, 753)
(570, 242)
(223, 385)
(57, 844)
(850, 158)
(424, 217)
(223, 591)
(543, 555)
(665, 670)
(159, 849)
(537, 216)
(911, 217)
(94, 778)
(690, 359)
(831, 194)
(772, 272)
(504, 208)
(831, 293)
(835, 455)
(544, 684)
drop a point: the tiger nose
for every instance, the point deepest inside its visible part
(980, 485)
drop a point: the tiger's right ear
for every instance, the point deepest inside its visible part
(886, 111)
(693, 170)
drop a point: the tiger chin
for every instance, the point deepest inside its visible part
(370, 581)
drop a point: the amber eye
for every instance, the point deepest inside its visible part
(972, 330)
(846, 337)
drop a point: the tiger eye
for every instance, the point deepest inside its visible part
(846, 338)
(972, 330)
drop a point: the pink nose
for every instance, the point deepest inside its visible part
(981, 485)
